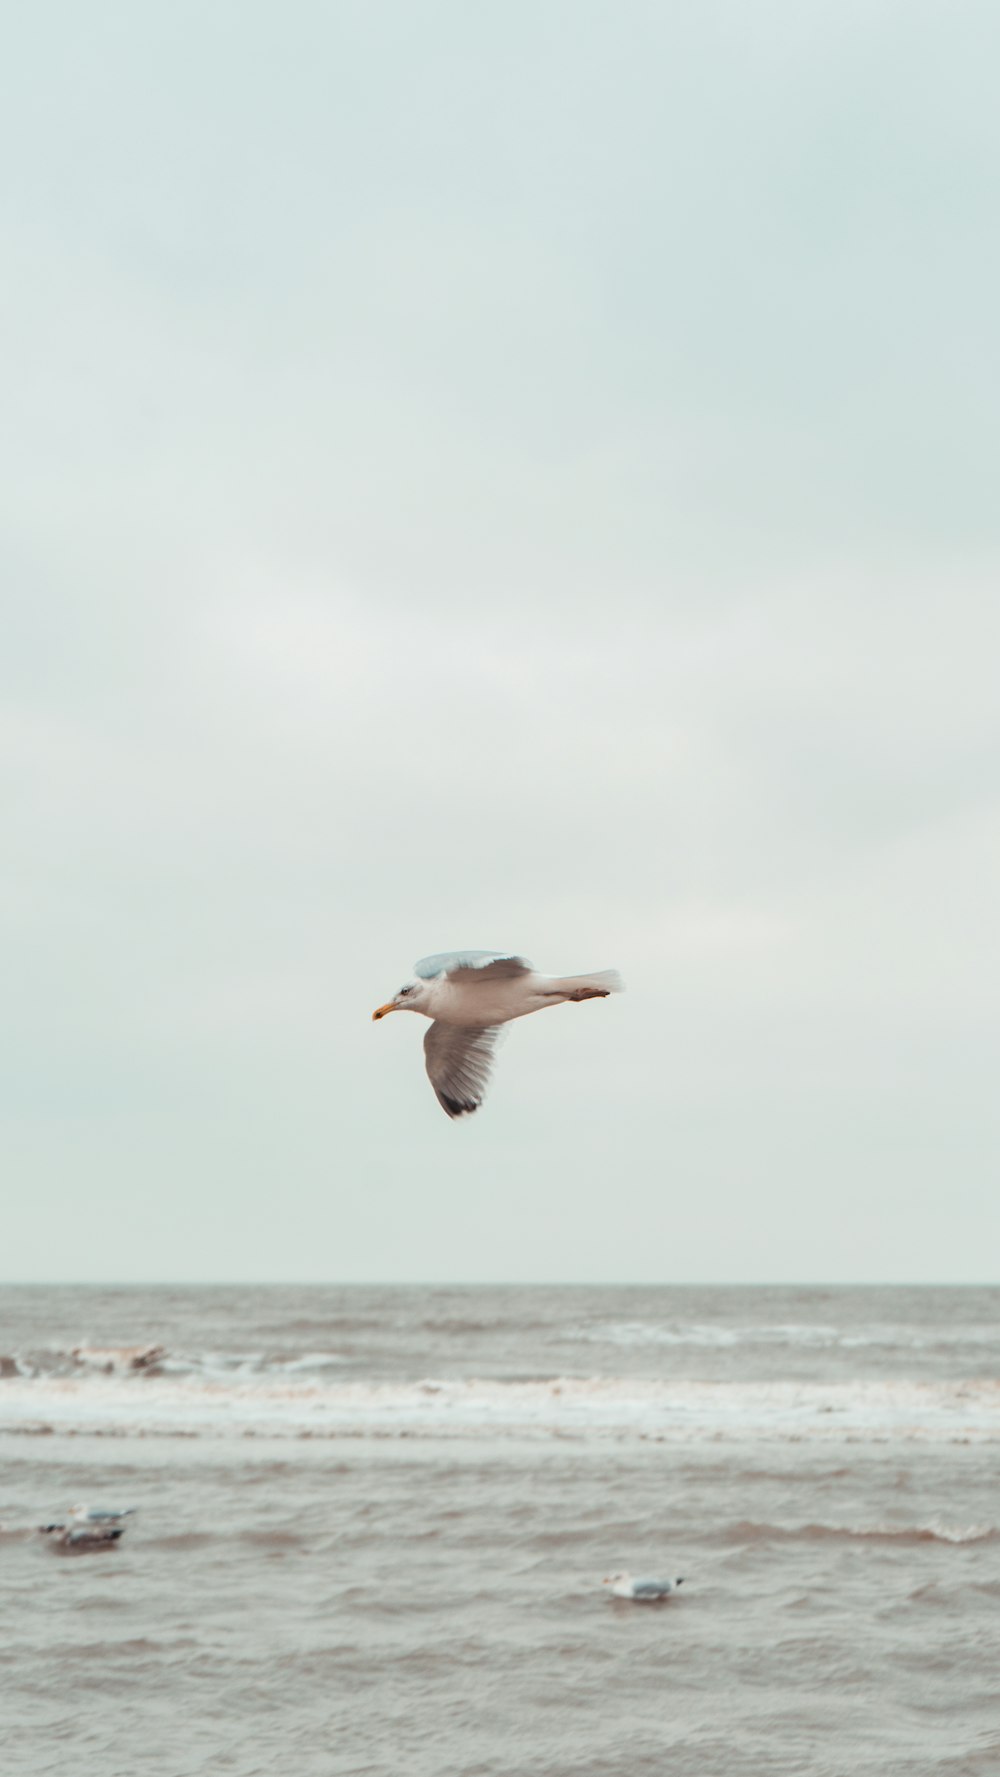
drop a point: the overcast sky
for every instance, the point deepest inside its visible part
(516, 475)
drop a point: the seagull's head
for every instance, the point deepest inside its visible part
(412, 997)
(612, 1579)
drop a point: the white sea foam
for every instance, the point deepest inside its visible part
(680, 1411)
(791, 1334)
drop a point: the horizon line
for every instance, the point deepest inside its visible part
(493, 1283)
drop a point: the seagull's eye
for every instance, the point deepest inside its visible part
(404, 990)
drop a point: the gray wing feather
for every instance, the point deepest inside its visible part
(459, 1058)
(505, 968)
(472, 965)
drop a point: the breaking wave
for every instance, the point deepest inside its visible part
(809, 1335)
(747, 1533)
(155, 1361)
(241, 1397)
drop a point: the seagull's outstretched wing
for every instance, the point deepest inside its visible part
(472, 965)
(459, 1058)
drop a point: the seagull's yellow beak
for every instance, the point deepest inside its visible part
(381, 1011)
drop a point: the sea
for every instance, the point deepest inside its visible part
(371, 1527)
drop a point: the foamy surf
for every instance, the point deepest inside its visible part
(810, 1336)
(674, 1411)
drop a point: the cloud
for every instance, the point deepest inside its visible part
(537, 495)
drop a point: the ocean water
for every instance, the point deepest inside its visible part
(372, 1523)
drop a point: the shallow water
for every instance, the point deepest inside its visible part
(372, 1526)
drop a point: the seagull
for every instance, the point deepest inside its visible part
(469, 994)
(83, 1538)
(99, 1514)
(643, 1591)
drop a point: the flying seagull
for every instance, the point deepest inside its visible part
(644, 1591)
(469, 994)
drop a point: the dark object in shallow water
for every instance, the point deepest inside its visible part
(113, 1359)
(82, 1539)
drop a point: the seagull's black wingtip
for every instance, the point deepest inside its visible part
(457, 1107)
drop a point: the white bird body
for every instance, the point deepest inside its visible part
(641, 1591)
(84, 1514)
(474, 1004)
(469, 995)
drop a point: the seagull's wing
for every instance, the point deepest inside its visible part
(459, 1058)
(472, 965)
(651, 1588)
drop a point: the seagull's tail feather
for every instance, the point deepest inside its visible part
(586, 987)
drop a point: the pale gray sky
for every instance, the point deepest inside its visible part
(517, 475)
